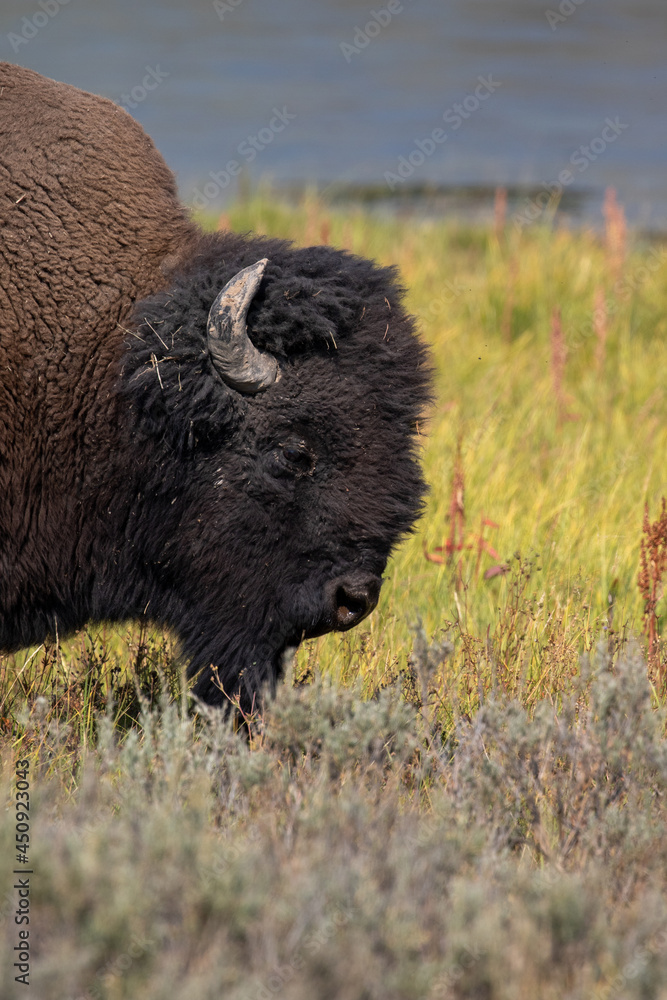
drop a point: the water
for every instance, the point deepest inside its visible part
(276, 88)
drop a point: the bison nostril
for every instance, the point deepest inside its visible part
(353, 598)
(350, 608)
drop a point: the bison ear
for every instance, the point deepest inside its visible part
(235, 358)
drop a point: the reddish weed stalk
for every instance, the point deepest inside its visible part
(457, 541)
(652, 566)
(457, 510)
(615, 232)
(499, 212)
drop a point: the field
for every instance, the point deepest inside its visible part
(465, 797)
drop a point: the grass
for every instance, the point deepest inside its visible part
(465, 796)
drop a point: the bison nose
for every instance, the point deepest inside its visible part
(351, 598)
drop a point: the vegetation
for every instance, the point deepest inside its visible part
(462, 798)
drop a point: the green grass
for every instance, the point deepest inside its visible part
(464, 797)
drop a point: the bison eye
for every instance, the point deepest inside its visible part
(294, 459)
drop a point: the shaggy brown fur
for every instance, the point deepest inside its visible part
(90, 223)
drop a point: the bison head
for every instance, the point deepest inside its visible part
(273, 397)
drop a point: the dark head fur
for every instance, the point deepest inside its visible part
(354, 380)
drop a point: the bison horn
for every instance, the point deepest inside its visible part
(235, 357)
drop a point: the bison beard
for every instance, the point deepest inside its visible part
(212, 432)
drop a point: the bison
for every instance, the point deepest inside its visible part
(211, 432)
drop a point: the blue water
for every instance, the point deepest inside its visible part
(219, 74)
